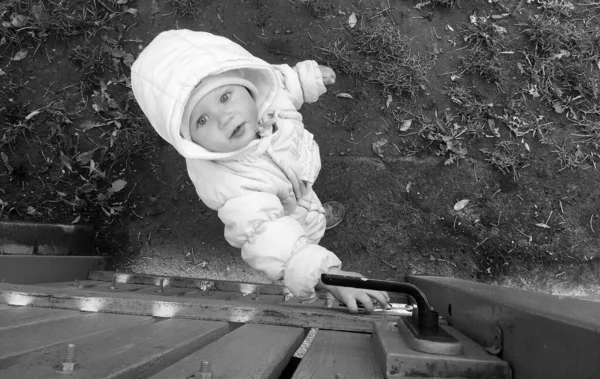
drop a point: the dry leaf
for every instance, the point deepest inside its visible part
(344, 95)
(461, 204)
(542, 225)
(19, 21)
(527, 146)
(117, 185)
(76, 220)
(405, 125)
(352, 20)
(133, 11)
(450, 28)
(20, 55)
(378, 146)
(389, 101)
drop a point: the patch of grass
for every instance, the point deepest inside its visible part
(485, 63)
(572, 156)
(474, 111)
(564, 65)
(485, 41)
(521, 120)
(15, 124)
(188, 8)
(25, 19)
(508, 157)
(380, 54)
(446, 136)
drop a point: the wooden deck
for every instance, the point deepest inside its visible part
(137, 330)
(130, 326)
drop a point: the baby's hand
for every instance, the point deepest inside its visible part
(350, 296)
(328, 75)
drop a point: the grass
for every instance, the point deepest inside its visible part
(508, 157)
(379, 54)
(81, 164)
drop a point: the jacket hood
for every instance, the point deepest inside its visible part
(168, 70)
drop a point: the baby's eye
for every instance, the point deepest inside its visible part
(225, 97)
(202, 120)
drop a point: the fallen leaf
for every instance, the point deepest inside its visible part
(87, 125)
(378, 147)
(527, 146)
(461, 204)
(352, 20)
(6, 24)
(454, 77)
(117, 185)
(344, 95)
(133, 11)
(76, 220)
(389, 101)
(128, 59)
(405, 125)
(19, 21)
(542, 225)
(450, 28)
(20, 55)
(31, 210)
(408, 187)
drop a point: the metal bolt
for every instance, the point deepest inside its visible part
(161, 283)
(113, 285)
(68, 363)
(205, 372)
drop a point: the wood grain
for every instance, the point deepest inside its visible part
(133, 352)
(334, 353)
(19, 341)
(252, 351)
(194, 308)
(14, 317)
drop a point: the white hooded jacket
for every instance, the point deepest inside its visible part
(262, 192)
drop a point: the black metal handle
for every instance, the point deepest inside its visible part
(427, 317)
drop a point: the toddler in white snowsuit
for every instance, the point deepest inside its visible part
(235, 119)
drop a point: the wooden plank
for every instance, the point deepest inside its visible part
(332, 353)
(133, 352)
(252, 351)
(220, 285)
(194, 308)
(18, 341)
(92, 285)
(166, 291)
(14, 317)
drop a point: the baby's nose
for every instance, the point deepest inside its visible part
(225, 119)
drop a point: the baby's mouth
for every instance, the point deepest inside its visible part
(238, 130)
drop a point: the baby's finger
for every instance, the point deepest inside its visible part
(351, 305)
(366, 301)
(380, 297)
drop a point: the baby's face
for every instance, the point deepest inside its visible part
(225, 119)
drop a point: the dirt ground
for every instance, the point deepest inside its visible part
(435, 103)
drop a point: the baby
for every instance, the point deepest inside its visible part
(235, 119)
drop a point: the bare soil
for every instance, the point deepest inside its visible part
(76, 148)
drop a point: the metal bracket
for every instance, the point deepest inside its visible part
(421, 329)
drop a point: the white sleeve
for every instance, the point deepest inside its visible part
(275, 244)
(304, 82)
